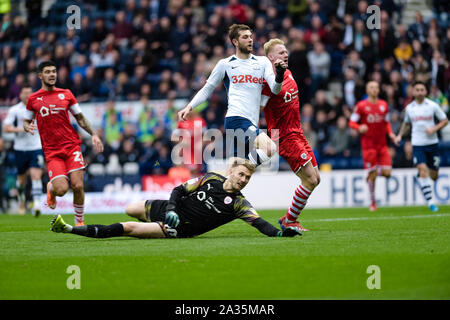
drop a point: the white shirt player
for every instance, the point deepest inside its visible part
(22, 140)
(421, 116)
(243, 79)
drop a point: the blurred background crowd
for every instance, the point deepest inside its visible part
(144, 50)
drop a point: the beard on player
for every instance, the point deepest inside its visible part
(246, 49)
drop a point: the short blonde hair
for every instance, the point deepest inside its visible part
(268, 46)
(233, 162)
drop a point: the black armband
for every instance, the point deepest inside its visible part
(280, 74)
(265, 227)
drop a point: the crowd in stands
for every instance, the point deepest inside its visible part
(147, 49)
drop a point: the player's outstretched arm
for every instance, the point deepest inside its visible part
(204, 93)
(84, 123)
(269, 230)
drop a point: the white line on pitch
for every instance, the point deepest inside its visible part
(382, 218)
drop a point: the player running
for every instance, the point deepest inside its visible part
(243, 74)
(371, 119)
(60, 142)
(420, 115)
(282, 113)
(28, 153)
(195, 207)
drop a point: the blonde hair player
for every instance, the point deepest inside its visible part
(282, 113)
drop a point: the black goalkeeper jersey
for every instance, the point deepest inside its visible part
(202, 205)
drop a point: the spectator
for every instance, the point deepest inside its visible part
(299, 66)
(310, 135)
(417, 30)
(107, 87)
(320, 126)
(237, 11)
(128, 152)
(122, 29)
(81, 66)
(354, 61)
(146, 126)
(112, 126)
(340, 140)
(16, 31)
(438, 70)
(319, 63)
(297, 10)
(403, 52)
(99, 31)
(79, 89)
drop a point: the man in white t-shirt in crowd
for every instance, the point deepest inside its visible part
(243, 75)
(420, 114)
(28, 153)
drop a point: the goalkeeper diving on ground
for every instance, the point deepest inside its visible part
(195, 207)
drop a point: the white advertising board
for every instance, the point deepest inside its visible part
(337, 189)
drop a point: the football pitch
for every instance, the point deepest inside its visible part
(400, 253)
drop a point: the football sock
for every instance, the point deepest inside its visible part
(425, 186)
(99, 231)
(371, 185)
(79, 213)
(299, 200)
(258, 156)
(36, 191)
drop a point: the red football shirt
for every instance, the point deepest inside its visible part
(375, 116)
(282, 111)
(51, 110)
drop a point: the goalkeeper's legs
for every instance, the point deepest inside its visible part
(137, 210)
(126, 229)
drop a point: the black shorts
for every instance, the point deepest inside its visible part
(155, 211)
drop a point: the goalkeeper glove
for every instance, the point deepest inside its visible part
(289, 232)
(172, 219)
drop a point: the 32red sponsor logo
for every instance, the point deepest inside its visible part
(246, 79)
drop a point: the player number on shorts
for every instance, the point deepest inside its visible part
(436, 161)
(78, 156)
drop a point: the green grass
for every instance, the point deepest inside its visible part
(410, 245)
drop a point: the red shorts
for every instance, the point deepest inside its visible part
(374, 158)
(62, 162)
(296, 150)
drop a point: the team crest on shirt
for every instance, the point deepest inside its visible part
(61, 96)
(50, 173)
(303, 156)
(382, 108)
(227, 200)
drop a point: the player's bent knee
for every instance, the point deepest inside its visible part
(136, 210)
(386, 173)
(60, 189)
(77, 185)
